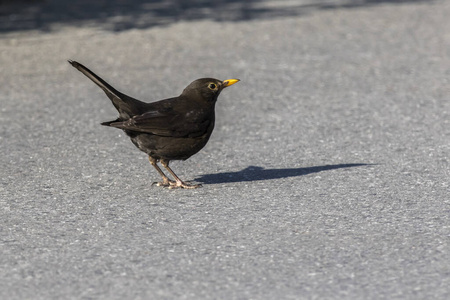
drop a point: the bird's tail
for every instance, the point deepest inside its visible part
(126, 105)
(96, 79)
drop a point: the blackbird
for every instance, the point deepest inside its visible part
(170, 129)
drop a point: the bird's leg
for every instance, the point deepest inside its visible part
(166, 181)
(179, 182)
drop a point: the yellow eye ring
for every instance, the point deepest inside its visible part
(212, 86)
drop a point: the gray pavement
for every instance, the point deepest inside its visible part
(327, 176)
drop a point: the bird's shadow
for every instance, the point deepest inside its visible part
(255, 173)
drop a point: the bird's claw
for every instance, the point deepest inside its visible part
(181, 184)
(171, 184)
(165, 183)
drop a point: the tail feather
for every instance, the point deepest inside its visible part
(109, 90)
(108, 123)
(126, 105)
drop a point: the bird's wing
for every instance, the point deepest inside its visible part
(164, 122)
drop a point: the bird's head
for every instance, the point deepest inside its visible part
(207, 89)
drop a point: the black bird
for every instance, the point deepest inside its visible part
(169, 129)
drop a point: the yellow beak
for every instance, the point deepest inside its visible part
(229, 82)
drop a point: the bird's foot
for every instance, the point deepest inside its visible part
(165, 183)
(172, 184)
(184, 185)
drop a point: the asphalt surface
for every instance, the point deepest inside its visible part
(327, 176)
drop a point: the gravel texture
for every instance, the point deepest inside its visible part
(327, 176)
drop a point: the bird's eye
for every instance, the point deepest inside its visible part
(212, 86)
